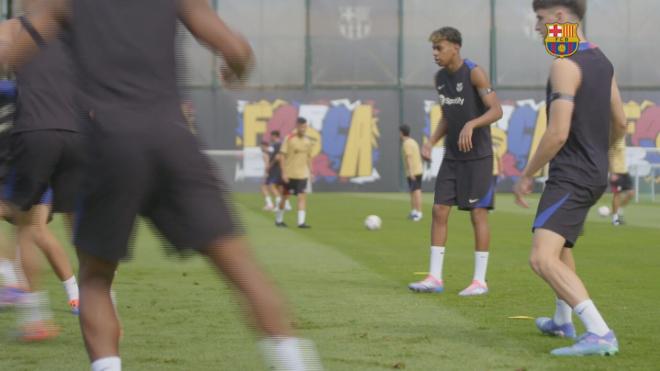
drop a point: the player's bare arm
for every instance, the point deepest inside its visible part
(42, 24)
(493, 113)
(619, 126)
(565, 78)
(437, 134)
(203, 22)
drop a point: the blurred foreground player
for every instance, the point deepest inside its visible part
(131, 93)
(469, 106)
(585, 115)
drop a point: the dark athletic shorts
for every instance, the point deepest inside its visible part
(44, 158)
(416, 184)
(622, 184)
(273, 178)
(564, 207)
(296, 186)
(163, 177)
(467, 184)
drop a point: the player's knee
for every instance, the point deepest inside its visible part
(440, 215)
(540, 264)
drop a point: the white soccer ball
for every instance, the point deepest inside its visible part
(604, 211)
(373, 222)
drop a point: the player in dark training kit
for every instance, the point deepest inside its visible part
(130, 91)
(45, 171)
(469, 107)
(585, 115)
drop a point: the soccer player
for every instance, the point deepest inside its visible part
(273, 176)
(622, 188)
(130, 92)
(585, 114)
(412, 163)
(265, 186)
(45, 171)
(296, 164)
(469, 107)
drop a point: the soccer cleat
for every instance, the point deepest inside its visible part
(591, 344)
(416, 218)
(428, 284)
(9, 296)
(37, 331)
(281, 224)
(549, 327)
(75, 306)
(475, 288)
(304, 226)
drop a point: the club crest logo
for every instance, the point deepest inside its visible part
(459, 87)
(562, 39)
(355, 22)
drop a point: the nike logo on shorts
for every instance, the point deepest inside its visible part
(473, 200)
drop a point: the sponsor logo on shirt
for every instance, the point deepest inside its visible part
(446, 101)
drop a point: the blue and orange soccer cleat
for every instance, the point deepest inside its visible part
(75, 306)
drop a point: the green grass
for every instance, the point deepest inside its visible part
(348, 290)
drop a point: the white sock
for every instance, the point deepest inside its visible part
(279, 215)
(33, 307)
(290, 354)
(269, 202)
(107, 364)
(287, 205)
(480, 266)
(278, 199)
(563, 313)
(301, 217)
(71, 288)
(8, 273)
(437, 259)
(591, 318)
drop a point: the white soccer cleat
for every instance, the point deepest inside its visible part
(475, 288)
(429, 284)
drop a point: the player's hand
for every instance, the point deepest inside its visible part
(426, 151)
(614, 177)
(285, 179)
(465, 138)
(411, 177)
(522, 188)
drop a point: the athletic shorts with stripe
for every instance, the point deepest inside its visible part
(564, 207)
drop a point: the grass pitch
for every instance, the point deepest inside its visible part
(348, 289)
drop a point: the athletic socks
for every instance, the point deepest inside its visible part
(269, 202)
(591, 318)
(301, 217)
(34, 307)
(8, 273)
(291, 354)
(437, 259)
(279, 216)
(107, 364)
(480, 266)
(71, 288)
(563, 313)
